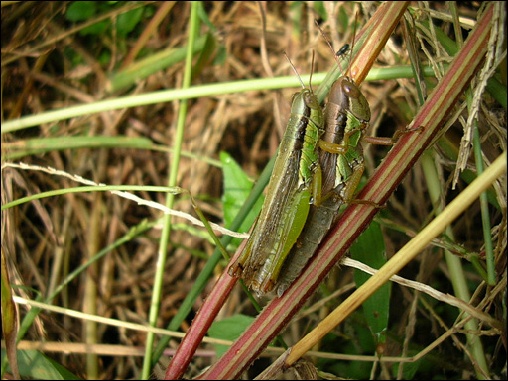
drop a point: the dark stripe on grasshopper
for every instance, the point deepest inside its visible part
(346, 114)
(288, 197)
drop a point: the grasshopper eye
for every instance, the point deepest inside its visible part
(350, 89)
(310, 100)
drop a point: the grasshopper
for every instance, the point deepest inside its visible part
(292, 188)
(346, 114)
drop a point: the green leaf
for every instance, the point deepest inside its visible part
(151, 64)
(320, 10)
(370, 249)
(127, 21)
(9, 320)
(204, 17)
(96, 29)
(33, 364)
(81, 10)
(342, 20)
(205, 54)
(228, 329)
(410, 368)
(237, 187)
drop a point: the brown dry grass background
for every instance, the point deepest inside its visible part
(46, 239)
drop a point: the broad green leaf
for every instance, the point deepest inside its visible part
(127, 21)
(96, 29)
(237, 187)
(370, 249)
(81, 10)
(35, 365)
(228, 329)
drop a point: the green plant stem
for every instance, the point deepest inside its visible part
(454, 265)
(484, 206)
(163, 248)
(207, 90)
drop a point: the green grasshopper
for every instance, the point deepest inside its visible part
(292, 188)
(347, 115)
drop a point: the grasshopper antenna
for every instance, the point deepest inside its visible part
(312, 69)
(294, 68)
(343, 50)
(339, 52)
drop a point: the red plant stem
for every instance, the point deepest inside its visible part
(204, 318)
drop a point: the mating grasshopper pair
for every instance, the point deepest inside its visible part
(319, 162)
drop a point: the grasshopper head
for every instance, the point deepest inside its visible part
(310, 99)
(344, 92)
